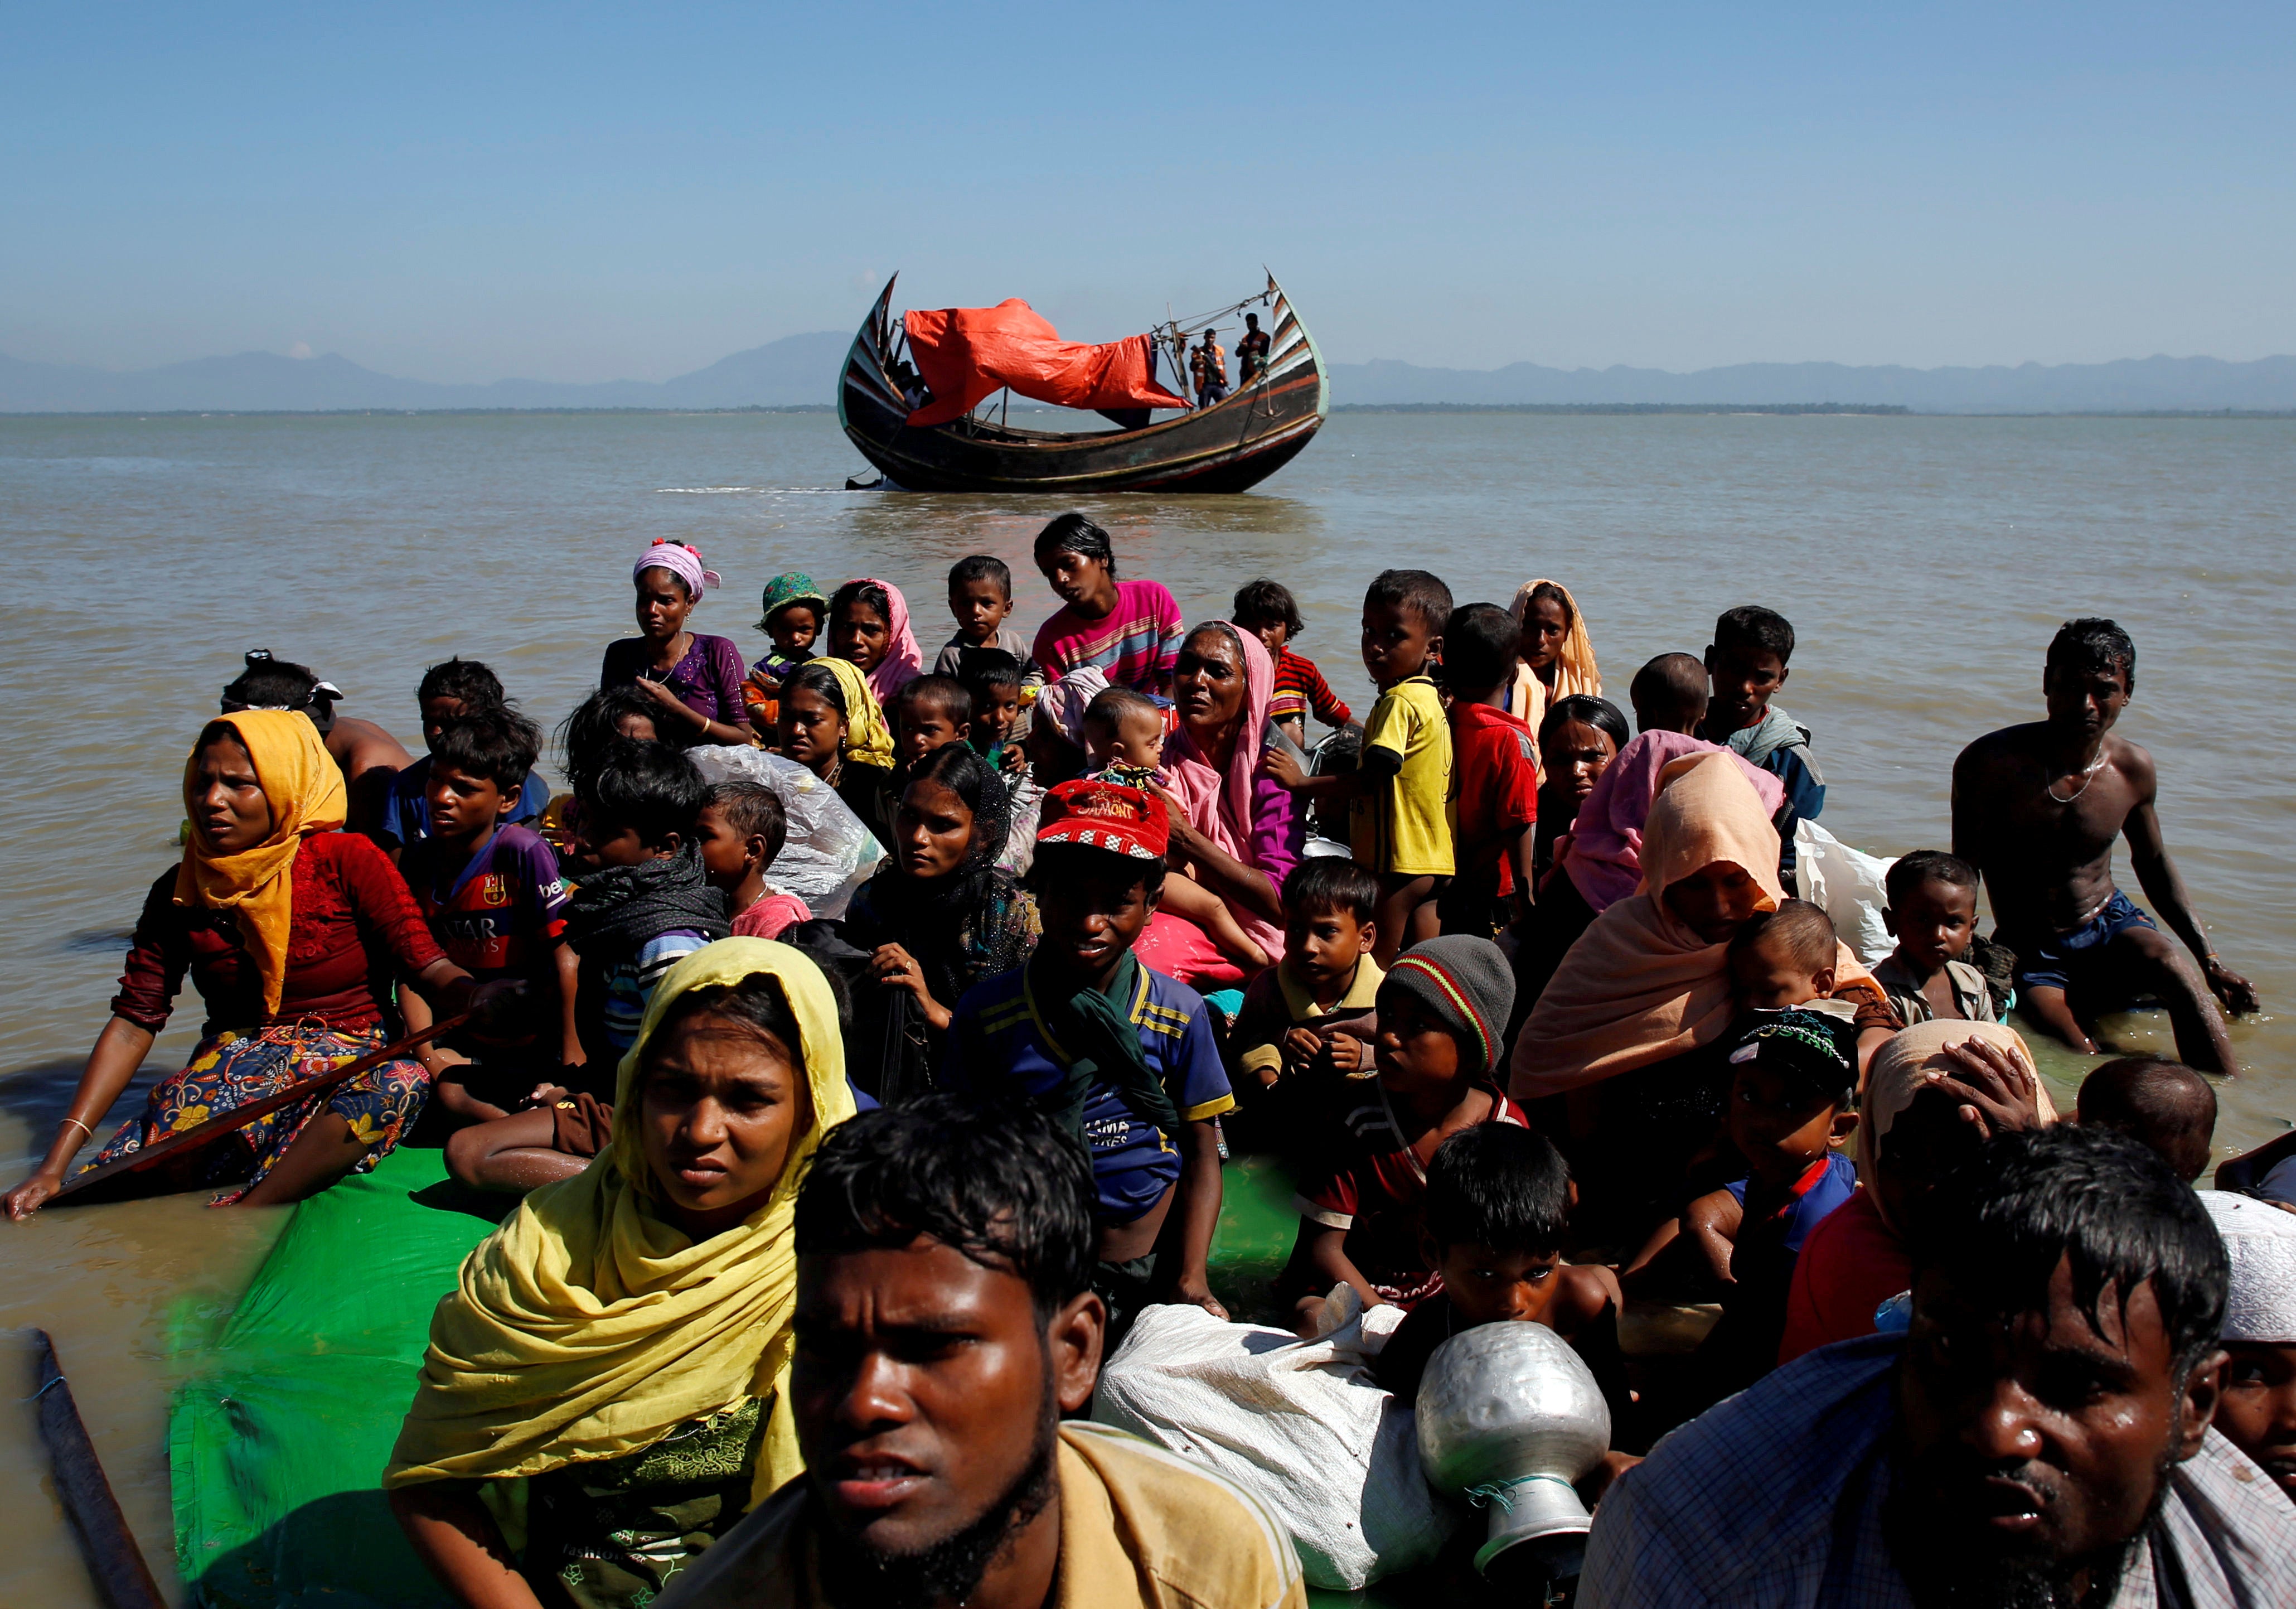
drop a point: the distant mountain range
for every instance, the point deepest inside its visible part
(801, 370)
(2131, 385)
(789, 373)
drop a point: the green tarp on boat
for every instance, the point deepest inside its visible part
(279, 1436)
(277, 1443)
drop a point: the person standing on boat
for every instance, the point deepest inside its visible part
(2037, 807)
(622, 1343)
(696, 680)
(1208, 367)
(1252, 351)
(289, 926)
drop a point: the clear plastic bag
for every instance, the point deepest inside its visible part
(828, 853)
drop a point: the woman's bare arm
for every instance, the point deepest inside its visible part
(458, 1542)
(111, 1063)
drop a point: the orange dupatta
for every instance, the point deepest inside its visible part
(305, 789)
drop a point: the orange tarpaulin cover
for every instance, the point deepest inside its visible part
(967, 353)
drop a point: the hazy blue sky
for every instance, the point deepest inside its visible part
(466, 192)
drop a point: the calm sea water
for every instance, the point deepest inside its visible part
(1924, 563)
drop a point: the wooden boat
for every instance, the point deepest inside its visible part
(1227, 448)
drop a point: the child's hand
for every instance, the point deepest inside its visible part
(1301, 1046)
(1349, 1055)
(1277, 764)
(547, 1094)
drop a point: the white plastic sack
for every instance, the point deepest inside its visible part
(1848, 883)
(828, 853)
(1300, 1423)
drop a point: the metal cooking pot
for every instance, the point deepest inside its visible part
(1510, 1418)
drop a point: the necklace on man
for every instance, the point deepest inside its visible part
(2088, 777)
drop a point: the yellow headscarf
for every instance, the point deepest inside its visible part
(586, 1327)
(868, 740)
(1527, 697)
(305, 789)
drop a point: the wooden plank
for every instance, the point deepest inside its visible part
(123, 1581)
(201, 1135)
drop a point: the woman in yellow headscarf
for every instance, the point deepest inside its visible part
(832, 725)
(622, 1342)
(1557, 658)
(285, 922)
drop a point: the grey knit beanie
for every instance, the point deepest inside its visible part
(1465, 981)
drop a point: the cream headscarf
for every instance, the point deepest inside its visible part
(868, 740)
(1640, 986)
(586, 1327)
(304, 787)
(1527, 697)
(1909, 1063)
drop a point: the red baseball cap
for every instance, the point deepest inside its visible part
(1105, 815)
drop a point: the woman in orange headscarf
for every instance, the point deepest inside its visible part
(1557, 655)
(1626, 1029)
(289, 926)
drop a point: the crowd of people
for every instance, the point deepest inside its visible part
(828, 1220)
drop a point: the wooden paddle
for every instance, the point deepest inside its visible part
(205, 1134)
(123, 1581)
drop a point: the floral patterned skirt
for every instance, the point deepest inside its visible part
(231, 1070)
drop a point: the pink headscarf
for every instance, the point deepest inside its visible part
(903, 660)
(1218, 804)
(681, 560)
(1603, 853)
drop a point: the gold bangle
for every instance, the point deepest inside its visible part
(83, 1129)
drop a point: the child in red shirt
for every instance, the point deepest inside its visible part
(1267, 609)
(1494, 778)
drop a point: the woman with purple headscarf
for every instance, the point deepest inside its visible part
(696, 680)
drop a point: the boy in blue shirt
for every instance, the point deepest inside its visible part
(1745, 666)
(1117, 1052)
(449, 691)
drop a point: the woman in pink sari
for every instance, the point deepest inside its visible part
(1238, 832)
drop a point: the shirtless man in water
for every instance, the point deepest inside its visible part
(2037, 807)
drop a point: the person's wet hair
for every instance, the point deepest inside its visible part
(652, 787)
(1599, 713)
(1325, 884)
(1071, 533)
(1800, 932)
(468, 682)
(862, 592)
(944, 693)
(1417, 592)
(756, 1003)
(981, 669)
(270, 683)
(1480, 644)
(1111, 705)
(753, 810)
(815, 678)
(982, 567)
(1667, 692)
(1752, 626)
(497, 744)
(1266, 601)
(597, 725)
(1003, 1185)
(1920, 867)
(2091, 1197)
(2158, 1103)
(2093, 643)
(1500, 1186)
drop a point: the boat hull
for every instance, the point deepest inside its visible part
(1230, 446)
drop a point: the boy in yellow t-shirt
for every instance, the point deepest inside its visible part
(1398, 827)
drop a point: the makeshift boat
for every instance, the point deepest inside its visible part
(910, 394)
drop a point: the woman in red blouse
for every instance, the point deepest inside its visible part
(293, 931)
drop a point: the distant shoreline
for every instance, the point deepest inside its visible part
(1707, 409)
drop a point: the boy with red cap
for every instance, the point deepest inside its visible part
(1122, 1056)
